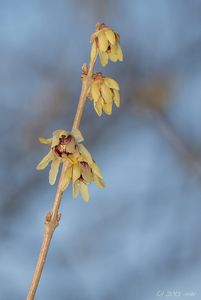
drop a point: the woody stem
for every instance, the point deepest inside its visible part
(52, 218)
(85, 89)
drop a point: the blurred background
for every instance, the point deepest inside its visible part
(140, 238)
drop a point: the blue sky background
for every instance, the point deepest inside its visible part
(140, 237)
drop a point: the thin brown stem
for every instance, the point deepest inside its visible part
(83, 95)
(51, 222)
(52, 218)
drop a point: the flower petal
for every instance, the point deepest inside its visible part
(67, 178)
(99, 182)
(103, 58)
(85, 153)
(102, 41)
(116, 98)
(95, 91)
(45, 161)
(56, 136)
(77, 135)
(96, 170)
(84, 191)
(43, 140)
(114, 48)
(101, 101)
(106, 93)
(110, 36)
(70, 147)
(113, 56)
(76, 172)
(111, 83)
(98, 108)
(107, 108)
(54, 171)
(119, 53)
(86, 173)
(76, 188)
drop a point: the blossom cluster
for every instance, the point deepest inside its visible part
(81, 168)
(104, 90)
(65, 146)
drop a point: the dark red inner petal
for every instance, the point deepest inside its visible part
(84, 164)
(64, 140)
(57, 151)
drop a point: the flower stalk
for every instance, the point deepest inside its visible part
(65, 149)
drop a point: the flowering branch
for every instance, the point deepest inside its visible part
(52, 218)
(65, 147)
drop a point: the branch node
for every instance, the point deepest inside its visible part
(48, 217)
(84, 69)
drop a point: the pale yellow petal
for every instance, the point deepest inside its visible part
(76, 172)
(106, 93)
(84, 191)
(68, 159)
(116, 98)
(98, 108)
(101, 101)
(77, 135)
(85, 153)
(110, 36)
(111, 83)
(45, 161)
(114, 48)
(93, 54)
(86, 173)
(65, 183)
(96, 170)
(67, 178)
(43, 140)
(107, 108)
(70, 147)
(54, 171)
(76, 188)
(117, 37)
(102, 41)
(113, 56)
(119, 53)
(99, 182)
(113, 53)
(103, 58)
(95, 91)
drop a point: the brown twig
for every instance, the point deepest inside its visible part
(52, 218)
(189, 155)
(83, 95)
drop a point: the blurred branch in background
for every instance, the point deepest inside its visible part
(153, 96)
(186, 151)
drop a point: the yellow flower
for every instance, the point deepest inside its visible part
(104, 91)
(61, 145)
(106, 44)
(81, 168)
